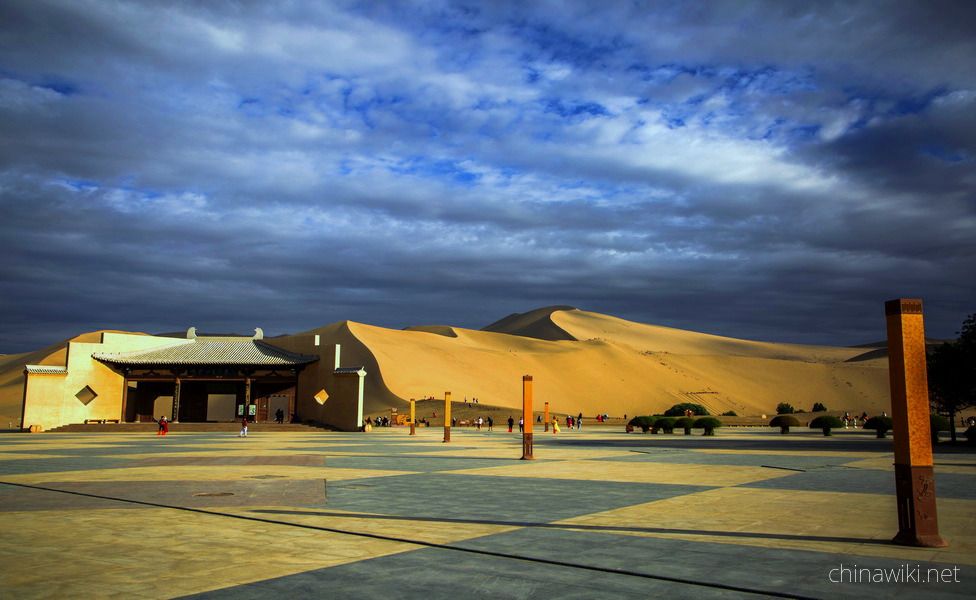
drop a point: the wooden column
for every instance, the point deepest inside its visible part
(413, 417)
(545, 417)
(914, 475)
(447, 416)
(176, 401)
(247, 400)
(527, 417)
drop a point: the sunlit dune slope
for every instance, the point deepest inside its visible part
(600, 363)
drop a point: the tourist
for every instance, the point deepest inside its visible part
(569, 421)
(279, 416)
(243, 427)
(521, 424)
(555, 426)
(163, 426)
(453, 421)
(579, 422)
(511, 423)
(479, 423)
(491, 422)
(538, 418)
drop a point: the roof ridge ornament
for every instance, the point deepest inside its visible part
(258, 333)
(191, 333)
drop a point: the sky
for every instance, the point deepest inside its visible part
(767, 170)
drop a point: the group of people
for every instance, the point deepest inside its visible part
(850, 421)
(476, 423)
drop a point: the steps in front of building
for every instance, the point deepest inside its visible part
(185, 428)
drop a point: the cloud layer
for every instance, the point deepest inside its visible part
(767, 170)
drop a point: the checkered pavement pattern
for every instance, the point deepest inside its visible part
(598, 513)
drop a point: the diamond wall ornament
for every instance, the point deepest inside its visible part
(86, 395)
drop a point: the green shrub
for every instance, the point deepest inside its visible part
(685, 423)
(784, 408)
(937, 423)
(645, 423)
(709, 424)
(826, 423)
(665, 423)
(730, 413)
(818, 407)
(784, 422)
(881, 425)
(678, 410)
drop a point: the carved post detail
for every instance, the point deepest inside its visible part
(914, 476)
(176, 401)
(527, 417)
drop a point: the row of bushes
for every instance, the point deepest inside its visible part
(785, 408)
(669, 424)
(881, 425)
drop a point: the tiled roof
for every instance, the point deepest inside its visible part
(46, 369)
(210, 351)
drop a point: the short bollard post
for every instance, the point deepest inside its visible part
(545, 417)
(447, 416)
(918, 523)
(527, 417)
(413, 417)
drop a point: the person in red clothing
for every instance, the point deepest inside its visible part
(243, 426)
(163, 425)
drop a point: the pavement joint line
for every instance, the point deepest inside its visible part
(783, 468)
(559, 563)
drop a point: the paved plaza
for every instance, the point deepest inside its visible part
(598, 514)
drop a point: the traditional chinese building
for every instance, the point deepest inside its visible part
(129, 378)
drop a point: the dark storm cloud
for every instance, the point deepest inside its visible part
(770, 170)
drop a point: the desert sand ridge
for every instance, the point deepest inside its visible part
(616, 366)
(581, 362)
(537, 323)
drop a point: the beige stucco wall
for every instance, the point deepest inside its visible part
(341, 410)
(43, 395)
(51, 401)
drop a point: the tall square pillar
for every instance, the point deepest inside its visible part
(918, 523)
(447, 416)
(527, 417)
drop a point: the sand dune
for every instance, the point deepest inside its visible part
(581, 362)
(584, 361)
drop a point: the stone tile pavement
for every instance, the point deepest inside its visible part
(599, 514)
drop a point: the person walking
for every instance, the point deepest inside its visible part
(243, 427)
(579, 422)
(163, 425)
(555, 426)
(491, 422)
(511, 423)
(521, 424)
